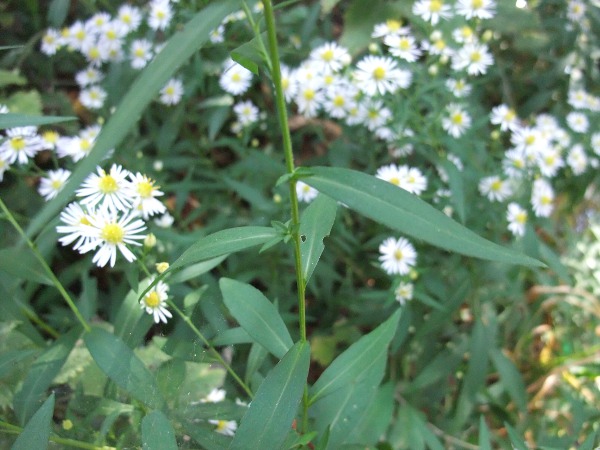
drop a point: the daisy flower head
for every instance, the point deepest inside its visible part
(413, 180)
(225, 427)
(309, 98)
(390, 173)
(432, 10)
(403, 46)
(305, 192)
(235, 78)
(111, 232)
(595, 141)
(140, 53)
(96, 52)
(52, 183)
(542, 198)
(403, 292)
(172, 92)
(217, 35)
(374, 114)
(93, 97)
(77, 226)
(155, 302)
(78, 35)
(459, 88)
(388, 28)
(214, 396)
(330, 57)
(578, 122)
(576, 10)
(517, 219)
(514, 163)
(528, 139)
(480, 9)
(144, 196)
(339, 99)
(457, 120)
(505, 117)
(380, 74)
(288, 83)
(88, 77)
(129, 17)
(21, 145)
(246, 112)
(495, 188)
(437, 45)
(51, 42)
(549, 161)
(397, 256)
(577, 159)
(160, 14)
(473, 57)
(109, 191)
(464, 34)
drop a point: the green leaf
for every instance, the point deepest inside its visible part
(157, 432)
(328, 5)
(588, 444)
(123, 367)
(273, 409)
(41, 374)
(8, 77)
(222, 243)
(57, 12)
(510, 378)
(36, 433)
(10, 359)
(455, 181)
(257, 315)
(176, 52)
(131, 321)
(516, 440)
(315, 225)
(22, 264)
(484, 435)
(195, 270)
(352, 365)
(407, 213)
(376, 418)
(250, 54)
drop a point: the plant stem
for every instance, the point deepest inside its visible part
(289, 161)
(211, 349)
(47, 268)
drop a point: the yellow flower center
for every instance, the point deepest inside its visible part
(112, 233)
(327, 55)
(221, 425)
(398, 255)
(329, 79)
(108, 184)
(529, 139)
(395, 180)
(110, 34)
(496, 185)
(339, 101)
(404, 44)
(49, 39)
(379, 73)
(306, 188)
(476, 56)
(56, 184)
(440, 44)
(545, 200)
(236, 77)
(152, 300)
(160, 14)
(139, 52)
(521, 217)
(145, 188)
(457, 119)
(435, 6)
(94, 53)
(393, 25)
(80, 35)
(50, 136)
(467, 32)
(170, 90)
(17, 143)
(309, 94)
(84, 221)
(510, 115)
(477, 4)
(285, 83)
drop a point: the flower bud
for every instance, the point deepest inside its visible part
(162, 266)
(150, 241)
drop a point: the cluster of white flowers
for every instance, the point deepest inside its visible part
(103, 39)
(398, 258)
(110, 214)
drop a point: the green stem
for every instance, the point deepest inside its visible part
(289, 160)
(211, 349)
(47, 268)
(289, 164)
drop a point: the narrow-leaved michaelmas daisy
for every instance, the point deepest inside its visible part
(381, 30)
(172, 92)
(246, 112)
(578, 122)
(457, 121)
(577, 159)
(144, 194)
(330, 57)
(403, 292)
(481, 9)
(404, 47)
(432, 10)
(305, 192)
(473, 57)
(155, 302)
(140, 53)
(380, 74)
(517, 219)
(235, 78)
(495, 188)
(160, 15)
(92, 97)
(542, 198)
(505, 117)
(109, 190)
(21, 144)
(77, 226)
(225, 427)
(52, 183)
(397, 256)
(112, 232)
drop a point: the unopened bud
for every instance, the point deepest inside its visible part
(150, 241)
(162, 266)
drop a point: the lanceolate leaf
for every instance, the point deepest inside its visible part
(177, 51)
(224, 242)
(157, 432)
(10, 120)
(37, 431)
(257, 315)
(407, 213)
(123, 367)
(271, 413)
(315, 225)
(356, 362)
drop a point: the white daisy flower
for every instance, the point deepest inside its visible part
(226, 427)
(380, 74)
(110, 190)
(112, 233)
(374, 114)
(505, 117)
(473, 57)
(432, 10)
(398, 256)
(288, 83)
(214, 396)
(403, 46)
(129, 17)
(155, 302)
(464, 34)
(305, 192)
(480, 9)
(172, 92)
(495, 188)
(52, 183)
(160, 14)
(528, 139)
(164, 221)
(339, 99)
(51, 42)
(217, 35)
(578, 122)
(140, 53)
(577, 159)
(96, 52)
(92, 97)
(403, 292)
(514, 163)
(309, 98)
(78, 35)
(459, 88)
(77, 226)
(21, 144)
(246, 112)
(542, 198)
(457, 121)
(235, 78)
(330, 57)
(517, 219)
(576, 10)
(88, 77)
(388, 28)
(549, 161)
(144, 196)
